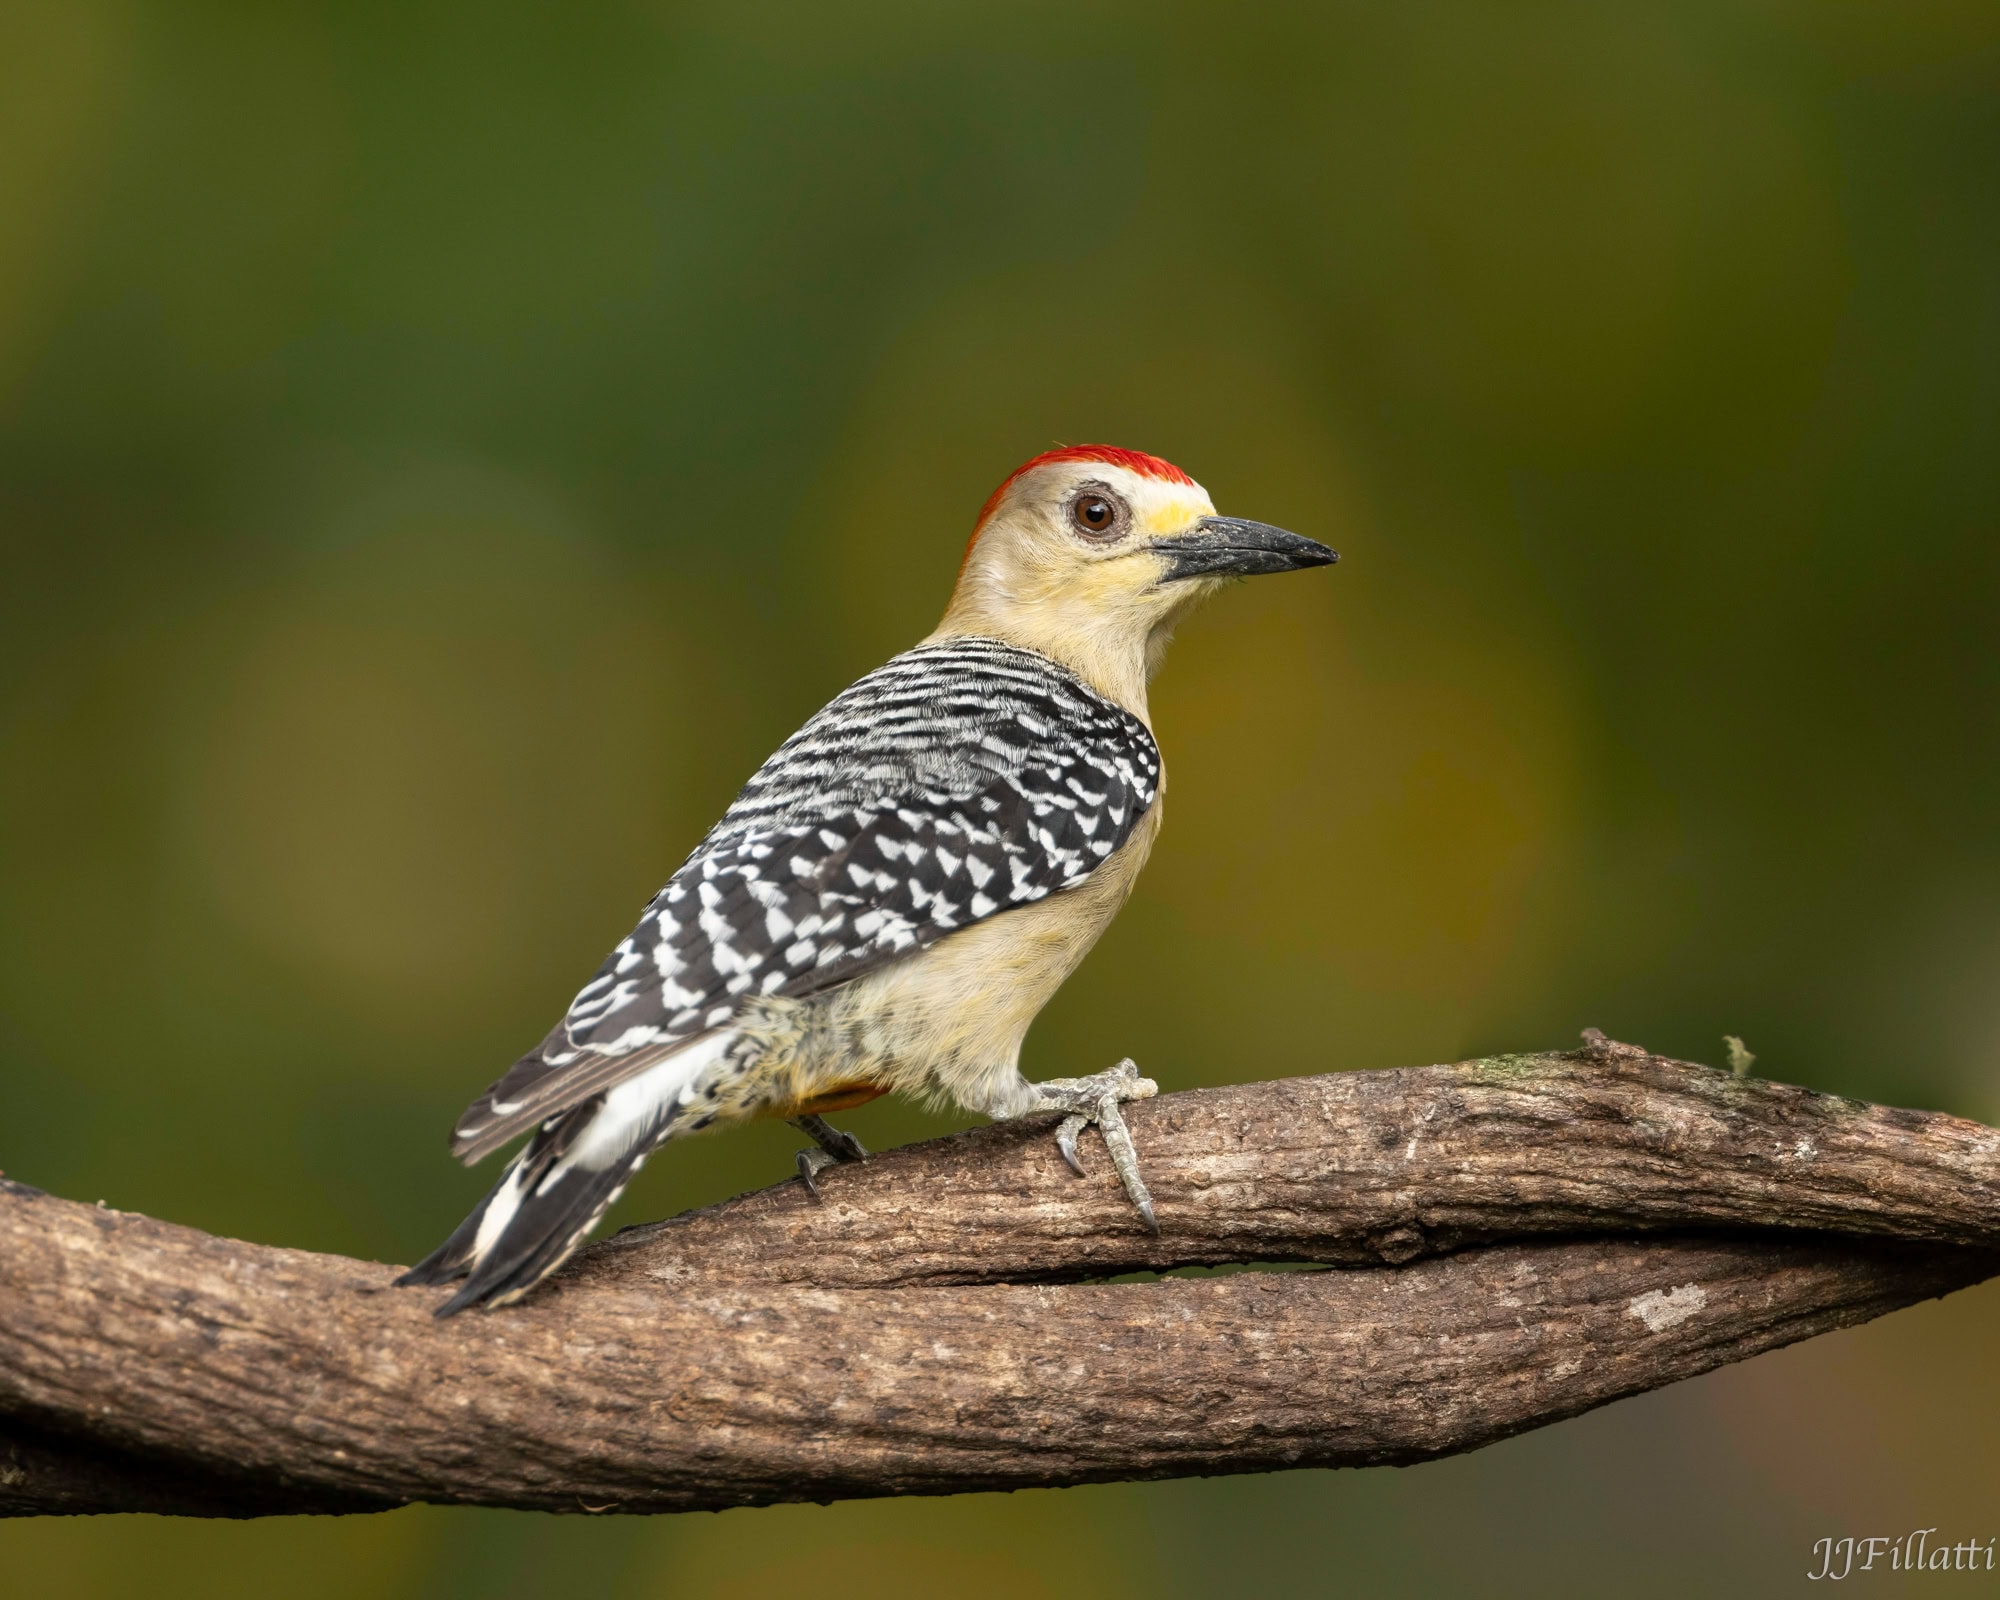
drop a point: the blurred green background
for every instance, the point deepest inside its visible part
(444, 448)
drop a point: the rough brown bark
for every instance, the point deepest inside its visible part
(1543, 1234)
(1357, 1168)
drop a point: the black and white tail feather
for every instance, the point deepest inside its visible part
(563, 1180)
(536, 1215)
(962, 779)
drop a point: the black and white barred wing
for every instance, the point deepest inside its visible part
(960, 781)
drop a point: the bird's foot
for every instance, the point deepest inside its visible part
(1096, 1099)
(831, 1147)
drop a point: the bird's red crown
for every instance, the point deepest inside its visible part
(1131, 460)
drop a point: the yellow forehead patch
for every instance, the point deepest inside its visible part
(1174, 514)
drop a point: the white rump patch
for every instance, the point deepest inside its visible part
(633, 1109)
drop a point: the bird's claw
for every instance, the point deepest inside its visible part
(1096, 1099)
(1072, 1125)
(831, 1147)
(811, 1164)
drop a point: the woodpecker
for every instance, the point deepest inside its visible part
(900, 889)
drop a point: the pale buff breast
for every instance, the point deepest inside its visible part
(948, 1022)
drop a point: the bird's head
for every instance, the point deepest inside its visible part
(1090, 554)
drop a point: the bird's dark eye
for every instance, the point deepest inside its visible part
(1095, 513)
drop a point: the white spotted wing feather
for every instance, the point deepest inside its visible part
(962, 779)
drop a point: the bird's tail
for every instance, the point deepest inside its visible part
(554, 1191)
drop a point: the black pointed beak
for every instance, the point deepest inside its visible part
(1230, 547)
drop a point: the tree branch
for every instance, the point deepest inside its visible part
(1527, 1237)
